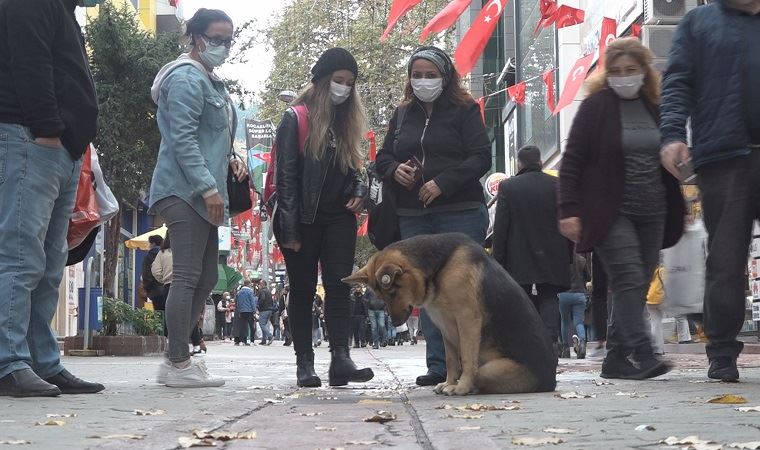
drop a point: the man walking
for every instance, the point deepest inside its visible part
(283, 308)
(48, 116)
(245, 307)
(358, 318)
(713, 76)
(376, 310)
(266, 308)
(526, 240)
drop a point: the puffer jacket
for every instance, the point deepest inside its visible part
(299, 182)
(705, 79)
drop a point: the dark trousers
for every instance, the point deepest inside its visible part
(358, 329)
(219, 324)
(275, 321)
(286, 336)
(730, 202)
(247, 323)
(630, 253)
(196, 337)
(331, 246)
(546, 302)
(599, 297)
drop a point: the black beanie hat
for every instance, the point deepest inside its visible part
(333, 60)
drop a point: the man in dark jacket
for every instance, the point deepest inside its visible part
(48, 116)
(153, 288)
(358, 318)
(526, 240)
(266, 308)
(376, 311)
(713, 76)
(246, 303)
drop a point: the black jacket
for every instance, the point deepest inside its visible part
(266, 302)
(526, 240)
(299, 182)
(359, 306)
(152, 287)
(706, 79)
(374, 303)
(45, 80)
(454, 149)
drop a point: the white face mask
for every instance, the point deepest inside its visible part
(627, 87)
(427, 89)
(339, 92)
(214, 56)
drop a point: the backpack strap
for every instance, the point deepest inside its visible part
(399, 122)
(302, 115)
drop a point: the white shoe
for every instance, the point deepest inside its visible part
(163, 369)
(193, 376)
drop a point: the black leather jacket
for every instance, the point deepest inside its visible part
(299, 181)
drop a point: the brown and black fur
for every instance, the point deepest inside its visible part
(494, 339)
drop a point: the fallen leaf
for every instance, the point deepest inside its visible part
(698, 381)
(247, 436)
(135, 437)
(327, 398)
(312, 414)
(468, 428)
(16, 442)
(480, 407)
(603, 383)
(381, 417)
(272, 401)
(446, 406)
(318, 428)
(53, 423)
(223, 436)
(533, 441)
(645, 428)
(372, 401)
(465, 416)
(692, 443)
(53, 416)
(560, 430)
(748, 409)
(755, 445)
(630, 394)
(362, 443)
(187, 442)
(728, 399)
(573, 394)
(150, 412)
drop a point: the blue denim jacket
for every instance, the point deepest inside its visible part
(194, 117)
(246, 300)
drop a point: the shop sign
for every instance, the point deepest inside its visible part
(492, 183)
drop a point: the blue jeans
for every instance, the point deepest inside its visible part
(377, 323)
(38, 187)
(473, 223)
(266, 332)
(572, 309)
(391, 330)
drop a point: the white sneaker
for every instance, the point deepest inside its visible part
(193, 376)
(163, 369)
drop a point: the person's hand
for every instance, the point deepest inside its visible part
(239, 169)
(429, 192)
(215, 208)
(404, 175)
(356, 204)
(49, 142)
(673, 156)
(295, 246)
(571, 228)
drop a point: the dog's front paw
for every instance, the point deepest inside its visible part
(441, 387)
(462, 389)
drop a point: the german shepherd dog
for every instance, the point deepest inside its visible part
(495, 340)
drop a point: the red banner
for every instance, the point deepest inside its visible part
(548, 77)
(482, 105)
(398, 10)
(370, 136)
(636, 30)
(474, 42)
(517, 93)
(568, 16)
(574, 82)
(446, 18)
(548, 10)
(609, 34)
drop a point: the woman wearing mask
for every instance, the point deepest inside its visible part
(615, 198)
(435, 161)
(197, 123)
(319, 191)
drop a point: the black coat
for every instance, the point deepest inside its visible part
(526, 240)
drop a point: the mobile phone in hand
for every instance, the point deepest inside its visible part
(416, 164)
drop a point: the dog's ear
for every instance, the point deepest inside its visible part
(387, 273)
(360, 277)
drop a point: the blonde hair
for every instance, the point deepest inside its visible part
(632, 47)
(348, 122)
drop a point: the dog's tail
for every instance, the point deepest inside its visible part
(506, 376)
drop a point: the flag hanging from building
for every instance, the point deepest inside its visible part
(567, 16)
(482, 105)
(474, 42)
(548, 77)
(446, 18)
(517, 93)
(548, 9)
(574, 81)
(609, 34)
(398, 10)
(636, 30)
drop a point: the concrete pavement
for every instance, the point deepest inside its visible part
(260, 395)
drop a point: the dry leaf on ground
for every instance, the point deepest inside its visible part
(755, 445)
(150, 412)
(465, 416)
(381, 417)
(728, 399)
(603, 383)
(311, 414)
(187, 442)
(318, 428)
(692, 443)
(327, 398)
(53, 423)
(645, 428)
(533, 441)
(362, 443)
(62, 416)
(481, 407)
(573, 394)
(134, 437)
(15, 442)
(372, 401)
(748, 409)
(560, 430)
(272, 401)
(468, 428)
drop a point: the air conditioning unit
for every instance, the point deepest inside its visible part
(658, 12)
(658, 38)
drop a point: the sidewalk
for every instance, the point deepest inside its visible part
(260, 395)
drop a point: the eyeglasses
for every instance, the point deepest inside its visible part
(216, 42)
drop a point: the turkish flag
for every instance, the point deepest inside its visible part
(548, 10)
(636, 30)
(446, 18)
(548, 77)
(362, 231)
(474, 42)
(398, 10)
(266, 157)
(370, 136)
(517, 93)
(482, 105)
(574, 81)
(609, 34)
(567, 16)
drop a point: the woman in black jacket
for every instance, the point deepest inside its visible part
(434, 154)
(318, 193)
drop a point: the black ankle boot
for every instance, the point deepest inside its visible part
(305, 373)
(343, 370)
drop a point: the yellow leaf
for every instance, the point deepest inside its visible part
(53, 423)
(187, 442)
(533, 441)
(381, 417)
(728, 399)
(573, 394)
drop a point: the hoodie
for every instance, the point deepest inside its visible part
(184, 59)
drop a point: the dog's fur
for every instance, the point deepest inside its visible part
(495, 340)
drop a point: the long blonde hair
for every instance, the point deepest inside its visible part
(348, 122)
(632, 47)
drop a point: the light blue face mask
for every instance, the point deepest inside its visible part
(89, 3)
(214, 55)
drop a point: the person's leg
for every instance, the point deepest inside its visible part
(548, 308)
(599, 297)
(650, 233)
(264, 317)
(374, 328)
(682, 329)
(209, 274)
(655, 321)
(302, 273)
(473, 223)
(566, 305)
(337, 261)
(579, 312)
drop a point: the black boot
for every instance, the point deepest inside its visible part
(343, 370)
(25, 383)
(305, 373)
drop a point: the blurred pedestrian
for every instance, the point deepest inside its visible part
(615, 198)
(319, 191)
(434, 154)
(358, 317)
(317, 313)
(229, 318)
(414, 325)
(376, 311)
(285, 321)
(266, 307)
(246, 304)
(572, 308)
(162, 272)
(154, 289)
(655, 298)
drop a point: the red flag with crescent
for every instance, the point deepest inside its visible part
(446, 18)
(474, 42)
(548, 10)
(574, 82)
(398, 10)
(548, 77)
(609, 34)
(517, 93)
(482, 105)
(636, 30)
(568, 16)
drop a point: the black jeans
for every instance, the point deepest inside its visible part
(547, 305)
(247, 322)
(730, 202)
(196, 337)
(630, 253)
(358, 329)
(329, 244)
(599, 297)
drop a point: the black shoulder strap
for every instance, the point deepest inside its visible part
(399, 122)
